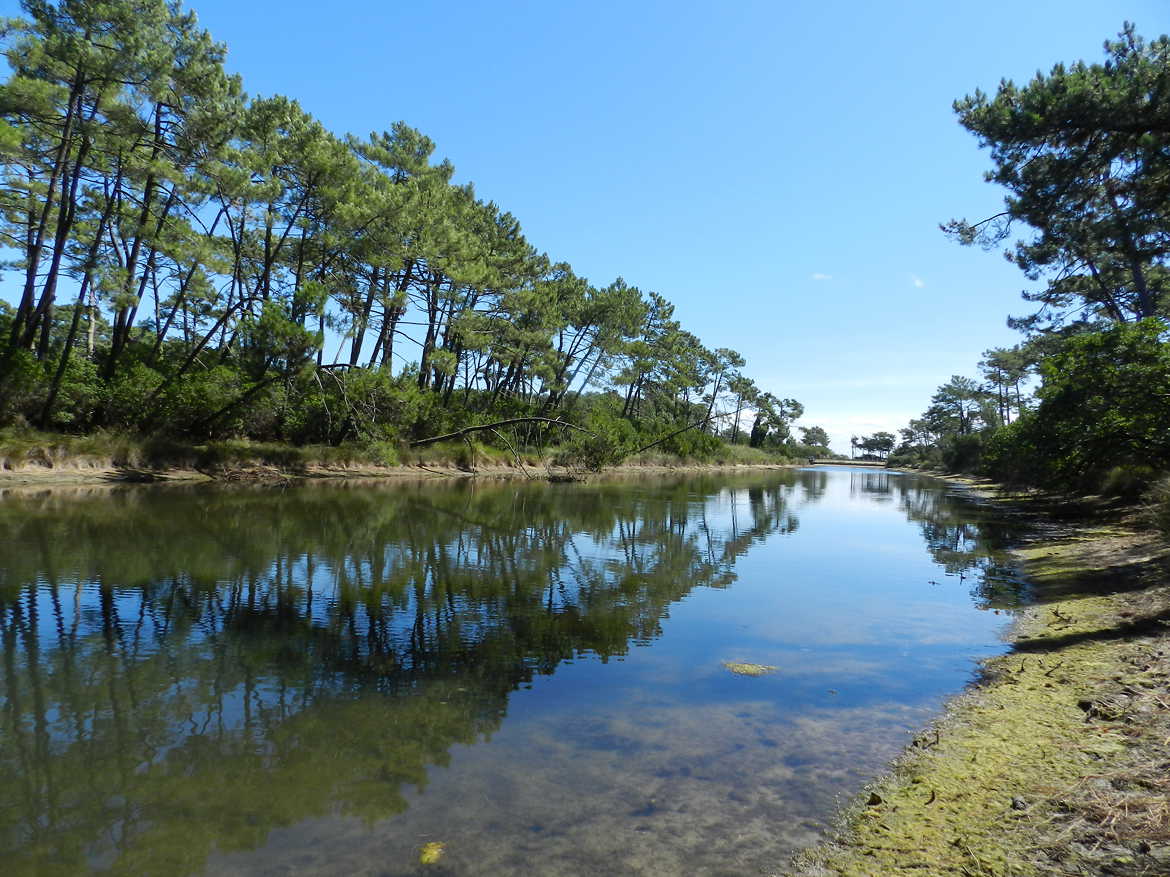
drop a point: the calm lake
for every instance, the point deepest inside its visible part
(321, 679)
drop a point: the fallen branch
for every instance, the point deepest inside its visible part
(516, 456)
(463, 433)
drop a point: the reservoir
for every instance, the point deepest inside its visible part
(541, 678)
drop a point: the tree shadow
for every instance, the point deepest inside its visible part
(1118, 578)
(1155, 624)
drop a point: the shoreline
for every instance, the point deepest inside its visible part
(36, 477)
(1055, 759)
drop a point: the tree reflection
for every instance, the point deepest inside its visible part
(968, 539)
(185, 670)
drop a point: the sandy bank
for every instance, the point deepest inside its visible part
(79, 473)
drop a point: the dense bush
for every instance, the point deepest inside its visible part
(915, 457)
(1104, 403)
(962, 453)
(610, 440)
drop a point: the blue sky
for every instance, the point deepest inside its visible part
(777, 169)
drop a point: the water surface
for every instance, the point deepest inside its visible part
(321, 679)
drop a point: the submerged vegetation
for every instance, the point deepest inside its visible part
(741, 669)
(203, 265)
(1056, 765)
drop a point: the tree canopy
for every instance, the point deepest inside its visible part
(198, 261)
(1084, 153)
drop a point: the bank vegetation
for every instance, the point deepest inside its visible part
(194, 264)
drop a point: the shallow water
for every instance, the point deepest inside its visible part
(321, 679)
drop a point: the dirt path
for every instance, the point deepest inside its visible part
(1058, 761)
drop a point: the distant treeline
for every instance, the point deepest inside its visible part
(1083, 403)
(196, 261)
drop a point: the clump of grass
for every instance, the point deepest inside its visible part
(465, 455)
(1157, 506)
(743, 455)
(107, 449)
(234, 453)
(1128, 482)
(655, 458)
(102, 448)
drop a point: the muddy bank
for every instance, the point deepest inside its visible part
(1058, 761)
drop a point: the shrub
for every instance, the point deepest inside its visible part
(23, 387)
(692, 444)
(126, 396)
(1129, 481)
(1157, 511)
(962, 453)
(1102, 403)
(612, 439)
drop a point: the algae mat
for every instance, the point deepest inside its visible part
(1057, 763)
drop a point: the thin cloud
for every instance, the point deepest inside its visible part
(917, 281)
(819, 276)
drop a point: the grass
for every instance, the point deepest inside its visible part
(30, 449)
(726, 455)
(104, 449)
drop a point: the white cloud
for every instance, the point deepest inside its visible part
(819, 276)
(917, 281)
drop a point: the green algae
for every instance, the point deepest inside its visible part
(979, 792)
(742, 669)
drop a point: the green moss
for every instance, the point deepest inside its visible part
(741, 669)
(969, 795)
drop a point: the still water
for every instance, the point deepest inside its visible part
(322, 679)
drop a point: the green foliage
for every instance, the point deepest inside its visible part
(1101, 421)
(692, 444)
(743, 455)
(1016, 453)
(79, 397)
(23, 388)
(814, 436)
(1128, 482)
(909, 457)
(1083, 153)
(611, 440)
(876, 446)
(128, 395)
(235, 453)
(208, 242)
(1100, 407)
(962, 452)
(197, 397)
